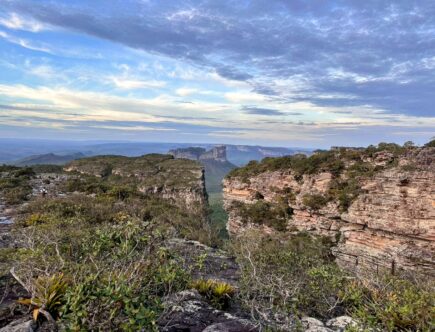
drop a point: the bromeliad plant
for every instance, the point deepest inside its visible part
(47, 296)
(217, 292)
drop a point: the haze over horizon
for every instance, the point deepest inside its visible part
(275, 73)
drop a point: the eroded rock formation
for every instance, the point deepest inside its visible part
(181, 181)
(388, 226)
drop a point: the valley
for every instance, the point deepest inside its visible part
(146, 239)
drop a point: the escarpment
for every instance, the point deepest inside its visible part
(377, 205)
(181, 181)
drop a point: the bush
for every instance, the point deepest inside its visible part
(392, 303)
(314, 201)
(287, 275)
(274, 215)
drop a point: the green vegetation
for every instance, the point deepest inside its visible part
(218, 293)
(148, 170)
(332, 161)
(287, 275)
(14, 184)
(47, 169)
(274, 215)
(111, 253)
(47, 296)
(217, 214)
(96, 259)
(293, 275)
(430, 144)
(314, 202)
(392, 303)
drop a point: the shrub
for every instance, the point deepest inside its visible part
(264, 213)
(392, 303)
(284, 275)
(314, 201)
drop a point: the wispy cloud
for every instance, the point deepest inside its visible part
(16, 22)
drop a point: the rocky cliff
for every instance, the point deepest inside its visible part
(181, 181)
(218, 153)
(215, 164)
(377, 205)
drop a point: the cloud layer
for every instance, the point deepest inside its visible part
(310, 72)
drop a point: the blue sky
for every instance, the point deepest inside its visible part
(273, 72)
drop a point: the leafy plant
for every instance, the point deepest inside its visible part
(47, 296)
(217, 292)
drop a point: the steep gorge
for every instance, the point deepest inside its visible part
(376, 205)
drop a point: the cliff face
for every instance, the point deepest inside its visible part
(215, 164)
(181, 181)
(218, 153)
(381, 220)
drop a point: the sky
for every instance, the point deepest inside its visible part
(272, 72)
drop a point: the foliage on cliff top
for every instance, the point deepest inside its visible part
(293, 275)
(150, 170)
(333, 161)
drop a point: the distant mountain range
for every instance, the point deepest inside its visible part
(48, 159)
(17, 151)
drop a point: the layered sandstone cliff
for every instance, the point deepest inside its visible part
(378, 207)
(181, 181)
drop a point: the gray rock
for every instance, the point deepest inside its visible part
(188, 311)
(311, 324)
(339, 324)
(237, 325)
(20, 325)
(319, 329)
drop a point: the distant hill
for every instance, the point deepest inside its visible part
(48, 159)
(16, 150)
(240, 155)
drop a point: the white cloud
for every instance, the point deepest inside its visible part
(183, 92)
(24, 43)
(131, 84)
(16, 22)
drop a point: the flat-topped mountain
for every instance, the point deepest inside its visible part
(214, 161)
(217, 153)
(181, 180)
(377, 204)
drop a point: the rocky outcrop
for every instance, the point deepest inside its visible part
(389, 226)
(189, 311)
(181, 181)
(218, 153)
